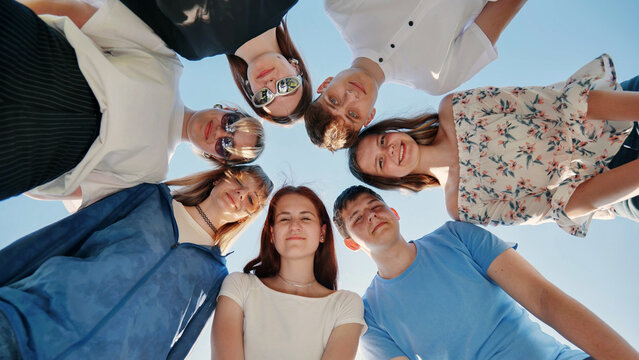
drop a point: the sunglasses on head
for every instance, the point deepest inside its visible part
(284, 86)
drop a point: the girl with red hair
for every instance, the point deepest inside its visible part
(286, 303)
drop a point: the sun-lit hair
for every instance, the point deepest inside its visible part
(327, 130)
(239, 69)
(267, 263)
(422, 129)
(246, 154)
(342, 201)
(194, 189)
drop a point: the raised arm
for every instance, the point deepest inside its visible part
(495, 16)
(227, 335)
(77, 10)
(552, 306)
(605, 189)
(342, 344)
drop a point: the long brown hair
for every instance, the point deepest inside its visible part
(422, 129)
(267, 263)
(289, 51)
(197, 187)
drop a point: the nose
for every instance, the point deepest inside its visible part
(371, 215)
(390, 149)
(220, 133)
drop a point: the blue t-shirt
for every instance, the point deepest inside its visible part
(444, 306)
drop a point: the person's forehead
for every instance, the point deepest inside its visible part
(366, 153)
(359, 202)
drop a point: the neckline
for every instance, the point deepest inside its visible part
(293, 295)
(406, 271)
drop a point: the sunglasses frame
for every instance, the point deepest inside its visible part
(278, 93)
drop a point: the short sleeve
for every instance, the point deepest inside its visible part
(470, 52)
(351, 311)
(482, 245)
(376, 342)
(235, 287)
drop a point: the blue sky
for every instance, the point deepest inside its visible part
(545, 43)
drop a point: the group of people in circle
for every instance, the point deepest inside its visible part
(139, 267)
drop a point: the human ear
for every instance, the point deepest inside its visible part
(324, 84)
(323, 233)
(395, 212)
(351, 244)
(370, 117)
(271, 239)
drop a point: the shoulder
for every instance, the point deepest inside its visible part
(347, 296)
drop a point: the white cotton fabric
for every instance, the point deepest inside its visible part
(284, 326)
(189, 231)
(440, 50)
(134, 77)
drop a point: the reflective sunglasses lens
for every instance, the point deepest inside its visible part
(222, 145)
(262, 97)
(287, 85)
(228, 120)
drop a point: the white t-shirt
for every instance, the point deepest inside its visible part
(431, 45)
(135, 78)
(284, 326)
(189, 231)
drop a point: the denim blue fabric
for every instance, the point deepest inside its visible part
(110, 281)
(629, 151)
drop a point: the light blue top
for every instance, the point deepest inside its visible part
(444, 306)
(110, 282)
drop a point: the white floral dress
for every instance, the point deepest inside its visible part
(523, 151)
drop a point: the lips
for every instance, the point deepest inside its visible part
(264, 73)
(207, 130)
(359, 86)
(231, 200)
(402, 150)
(294, 238)
(378, 226)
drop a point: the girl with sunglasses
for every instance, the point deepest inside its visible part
(106, 114)
(515, 155)
(134, 276)
(267, 68)
(286, 304)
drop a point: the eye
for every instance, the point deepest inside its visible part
(283, 219)
(306, 218)
(357, 219)
(332, 100)
(380, 162)
(353, 114)
(382, 140)
(251, 200)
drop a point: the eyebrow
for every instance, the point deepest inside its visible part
(289, 213)
(345, 116)
(357, 211)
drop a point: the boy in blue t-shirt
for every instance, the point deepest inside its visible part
(454, 294)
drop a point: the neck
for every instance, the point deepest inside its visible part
(393, 260)
(188, 113)
(299, 271)
(371, 68)
(261, 44)
(436, 158)
(210, 210)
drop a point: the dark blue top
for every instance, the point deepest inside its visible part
(109, 282)
(199, 28)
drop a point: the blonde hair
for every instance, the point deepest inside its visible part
(246, 154)
(194, 189)
(422, 129)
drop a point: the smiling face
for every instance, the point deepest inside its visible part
(264, 71)
(350, 96)
(297, 229)
(206, 130)
(235, 197)
(370, 222)
(393, 154)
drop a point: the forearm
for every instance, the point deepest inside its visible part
(78, 11)
(581, 327)
(495, 16)
(605, 189)
(613, 105)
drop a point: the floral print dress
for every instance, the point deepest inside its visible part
(523, 151)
